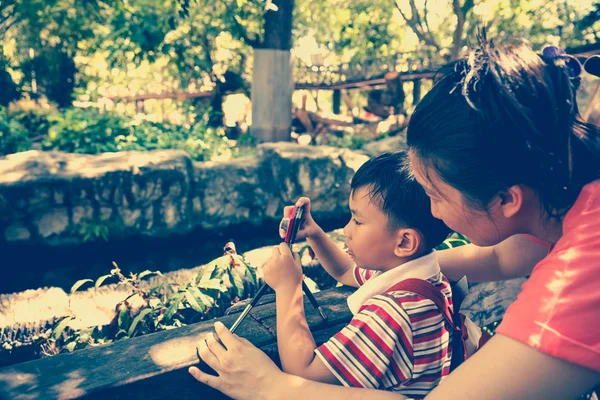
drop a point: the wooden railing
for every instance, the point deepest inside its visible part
(155, 366)
(411, 65)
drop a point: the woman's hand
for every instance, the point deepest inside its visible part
(283, 270)
(244, 371)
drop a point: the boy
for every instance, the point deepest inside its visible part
(397, 340)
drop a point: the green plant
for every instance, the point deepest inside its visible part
(454, 240)
(217, 286)
(92, 229)
(87, 131)
(13, 135)
(346, 140)
(35, 118)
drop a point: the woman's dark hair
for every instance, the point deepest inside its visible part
(502, 116)
(393, 188)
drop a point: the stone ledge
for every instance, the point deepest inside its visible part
(52, 198)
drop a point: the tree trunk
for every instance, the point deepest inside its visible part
(272, 87)
(272, 79)
(416, 92)
(337, 101)
(461, 17)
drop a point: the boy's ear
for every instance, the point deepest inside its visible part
(408, 242)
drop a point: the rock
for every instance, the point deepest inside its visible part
(228, 193)
(163, 193)
(53, 222)
(393, 143)
(82, 212)
(17, 232)
(487, 301)
(322, 173)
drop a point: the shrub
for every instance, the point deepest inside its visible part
(91, 132)
(218, 285)
(87, 131)
(34, 118)
(13, 135)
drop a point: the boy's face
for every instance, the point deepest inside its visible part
(370, 242)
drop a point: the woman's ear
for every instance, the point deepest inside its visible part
(511, 200)
(408, 242)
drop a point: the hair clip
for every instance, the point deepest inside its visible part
(573, 65)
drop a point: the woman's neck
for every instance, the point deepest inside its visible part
(546, 228)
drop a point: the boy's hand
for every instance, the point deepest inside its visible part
(283, 271)
(308, 226)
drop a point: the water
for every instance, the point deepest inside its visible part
(31, 267)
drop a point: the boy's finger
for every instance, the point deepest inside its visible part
(207, 379)
(284, 249)
(275, 252)
(207, 355)
(302, 201)
(215, 346)
(288, 211)
(283, 227)
(228, 339)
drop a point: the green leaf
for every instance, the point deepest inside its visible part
(156, 289)
(122, 333)
(60, 327)
(206, 300)
(172, 309)
(71, 346)
(124, 317)
(193, 303)
(205, 273)
(85, 334)
(78, 284)
(137, 319)
(252, 272)
(218, 272)
(146, 273)
(212, 284)
(101, 280)
(237, 282)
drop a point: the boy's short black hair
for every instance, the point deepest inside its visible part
(393, 188)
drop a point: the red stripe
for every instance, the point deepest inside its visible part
(390, 322)
(426, 315)
(389, 319)
(340, 367)
(357, 276)
(436, 334)
(437, 356)
(355, 351)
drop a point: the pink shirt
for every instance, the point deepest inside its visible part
(558, 310)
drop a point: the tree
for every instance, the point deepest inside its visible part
(272, 80)
(418, 21)
(49, 34)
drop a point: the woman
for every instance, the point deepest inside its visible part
(500, 148)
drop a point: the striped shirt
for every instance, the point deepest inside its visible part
(397, 341)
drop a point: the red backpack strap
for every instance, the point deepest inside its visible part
(425, 289)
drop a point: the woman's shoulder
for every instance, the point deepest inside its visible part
(556, 311)
(586, 208)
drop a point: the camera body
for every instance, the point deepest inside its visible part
(293, 226)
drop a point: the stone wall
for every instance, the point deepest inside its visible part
(54, 198)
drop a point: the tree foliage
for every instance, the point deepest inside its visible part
(49, 45)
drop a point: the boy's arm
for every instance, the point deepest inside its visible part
(294, 338)
(335, 260)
